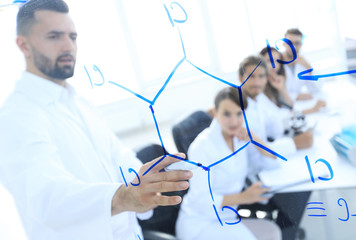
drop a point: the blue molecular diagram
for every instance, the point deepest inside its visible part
(175, 24)
(152, 102)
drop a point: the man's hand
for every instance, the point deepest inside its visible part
(147, 195)
(304, 140)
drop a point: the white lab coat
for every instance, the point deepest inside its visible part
(265, 119)
(61, 164)
(197, 215)
(295, 86)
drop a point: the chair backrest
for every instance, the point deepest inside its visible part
(164, 218)
(149, 152)
(188, 129)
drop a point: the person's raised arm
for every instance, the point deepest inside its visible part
(147, 195)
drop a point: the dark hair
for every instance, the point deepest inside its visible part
(26, 14)
(270, 91)
(252, 60)
(281, 70)
(294, 31)
(230, 93)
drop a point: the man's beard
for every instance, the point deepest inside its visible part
(44, 64)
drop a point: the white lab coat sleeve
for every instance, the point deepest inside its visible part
(202, 199)
(124, 159)
(274, 119)
(257, 162)
(284, 146)
(31, 170)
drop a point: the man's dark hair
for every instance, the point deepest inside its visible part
(230, 93)
(254, 61)
(26, 14)
(294, 31)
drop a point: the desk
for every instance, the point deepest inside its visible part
(341, 98)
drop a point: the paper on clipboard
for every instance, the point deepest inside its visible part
(290, 174)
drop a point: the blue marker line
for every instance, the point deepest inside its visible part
(160, 160)
(315, 203)
(186, 16)
(243, 112)
(181, 40)
(138, 177)
(312, 215)
(235, 211)
(190, 162)
(169, 15)
(125, 88)
(316, 208)
(157, 129)
(329, 168)
(290, 44)
(211, 192)
(268, 150)
(91, 82)
(217, 215)
(251, 73)
(123, 176)
(270, 54)
(11, 4)
(138, 237)
(309, 169)
(303, 75)
(229, 156)
(95, 68)
(219, 79)
(347, 209)
(168, 79)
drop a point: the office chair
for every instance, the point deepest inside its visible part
(161, 226)
(188, 129)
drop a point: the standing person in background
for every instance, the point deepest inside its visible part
(64, 168)
(294, 85)
(276, 88)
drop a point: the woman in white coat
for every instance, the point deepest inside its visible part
(209, 208)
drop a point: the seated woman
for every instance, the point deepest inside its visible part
(276, 89)
(209, 208)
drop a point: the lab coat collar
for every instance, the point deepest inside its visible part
(218, 137)
(259, 98)
(42, 90)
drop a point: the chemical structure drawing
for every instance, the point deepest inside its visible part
(304, 75)
(152, 102)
